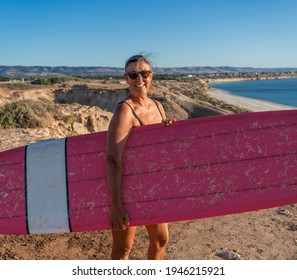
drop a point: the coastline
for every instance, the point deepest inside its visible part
(249, 77)
(255, 105)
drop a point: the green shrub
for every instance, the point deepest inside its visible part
(70, 119)
(21, 114)
(55, 80)
(4, 79)
(41, 81)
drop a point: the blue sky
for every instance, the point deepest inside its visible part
(177, 33)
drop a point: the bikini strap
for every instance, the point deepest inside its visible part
(135, 115)
(158, 109)
(133, 112)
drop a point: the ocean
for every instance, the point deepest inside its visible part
(282, 91)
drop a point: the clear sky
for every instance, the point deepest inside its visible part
(177, 33)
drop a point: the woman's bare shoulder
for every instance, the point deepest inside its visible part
(122, 118)
(121, 111)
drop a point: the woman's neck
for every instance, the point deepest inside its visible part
(141, 100)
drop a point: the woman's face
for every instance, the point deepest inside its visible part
(141, 85)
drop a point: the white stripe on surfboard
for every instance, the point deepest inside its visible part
(47, 203)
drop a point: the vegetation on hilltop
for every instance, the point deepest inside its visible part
(158, 76)
(4, 79)
(55, 80)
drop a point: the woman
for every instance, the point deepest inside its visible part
(136, 110)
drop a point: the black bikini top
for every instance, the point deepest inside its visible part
(134, 113)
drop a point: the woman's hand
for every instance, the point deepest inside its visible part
(119, 218)
(167, 122)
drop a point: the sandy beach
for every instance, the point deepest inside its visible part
(248, 103)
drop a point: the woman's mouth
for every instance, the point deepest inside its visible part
(140, 86)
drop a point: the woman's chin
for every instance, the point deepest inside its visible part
(140, 91)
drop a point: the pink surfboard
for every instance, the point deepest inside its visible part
(193, 169)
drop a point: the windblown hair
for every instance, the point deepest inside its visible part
(137, 58)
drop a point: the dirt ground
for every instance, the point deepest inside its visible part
(263, 235)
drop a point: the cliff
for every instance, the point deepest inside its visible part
(76, 108)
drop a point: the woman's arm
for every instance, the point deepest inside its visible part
(118, 132)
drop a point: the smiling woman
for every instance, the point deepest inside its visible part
(136, 110)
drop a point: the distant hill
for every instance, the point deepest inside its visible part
(47, 71)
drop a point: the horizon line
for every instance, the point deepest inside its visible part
(201, 66)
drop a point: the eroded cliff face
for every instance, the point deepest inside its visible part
(106, 99)
(180, 99)
(76, 108)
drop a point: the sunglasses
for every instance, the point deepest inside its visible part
(144, 74)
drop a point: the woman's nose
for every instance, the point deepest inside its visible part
(139, 77)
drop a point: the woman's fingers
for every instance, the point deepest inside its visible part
(120, 220)
(168, 122)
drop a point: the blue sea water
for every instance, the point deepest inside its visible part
(282, 91)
